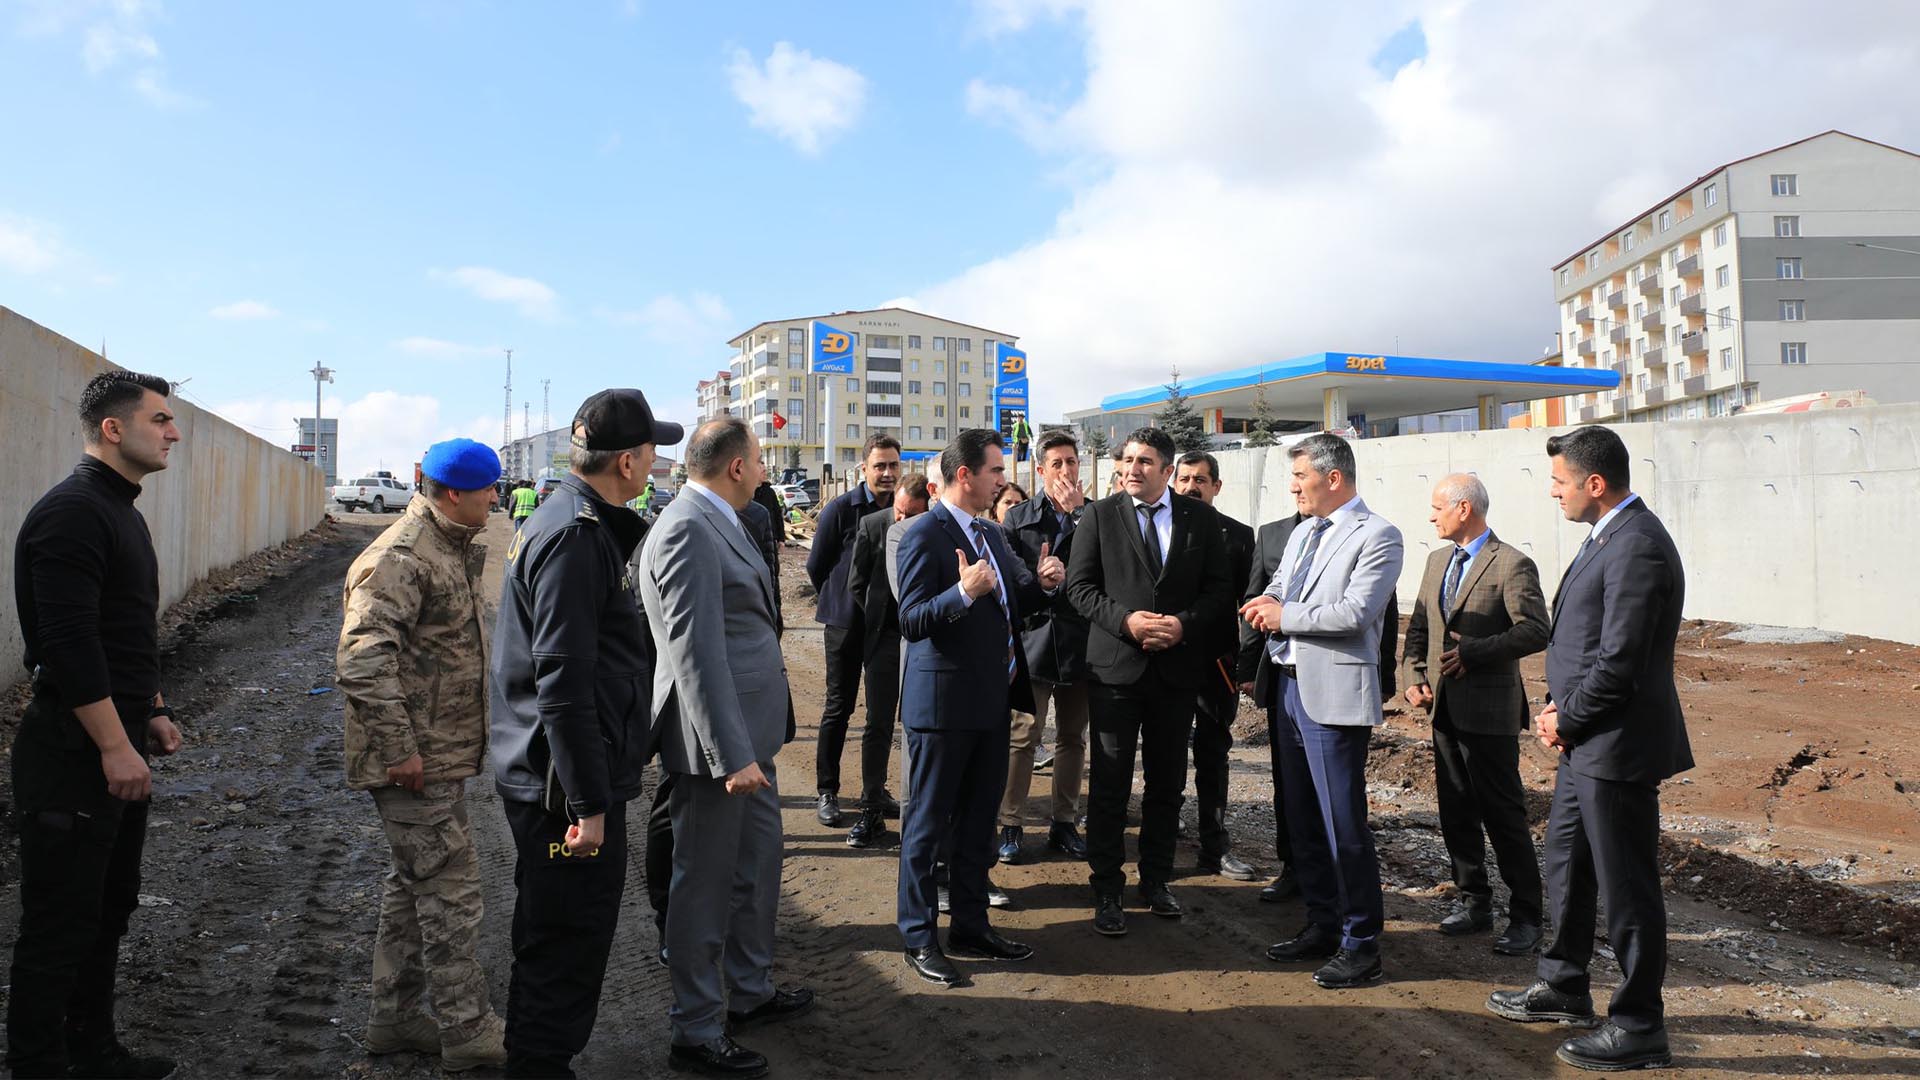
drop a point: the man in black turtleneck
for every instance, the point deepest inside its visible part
(87, 586)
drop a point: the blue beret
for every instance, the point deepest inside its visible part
(462, 464)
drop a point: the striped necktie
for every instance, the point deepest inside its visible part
(980, 548)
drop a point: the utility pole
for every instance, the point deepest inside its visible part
(320, 374)
(506, 419)
(546, 423)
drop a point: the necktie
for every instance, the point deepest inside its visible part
(1155, 557)
(1581, 554)
(1298, 584)
(980, 548)
(1452, 582)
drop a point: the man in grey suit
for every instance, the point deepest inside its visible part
(1322, 613)
(720, 708)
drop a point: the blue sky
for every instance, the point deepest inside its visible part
(230, 192)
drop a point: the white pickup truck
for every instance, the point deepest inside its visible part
(379, 493)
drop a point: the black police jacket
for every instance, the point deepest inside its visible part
(572, 694)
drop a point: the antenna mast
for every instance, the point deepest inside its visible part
(506, 418)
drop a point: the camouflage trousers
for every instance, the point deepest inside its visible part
(430, 911)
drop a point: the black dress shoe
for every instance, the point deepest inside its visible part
(1315, 942)
(988, 946)
(1467, 919)
(1064, 838)
(829, 809)
(717, 1057)
(785, 1004)
(932, 965)
(111, 1059)
(885, 803)
(868, 830)
(1228, 866)
(1541, 1004)
(1108, 916)
(1350, 968)
(1519, 940)
(1284, 887)
(1611, 1049)
(1009, 851)
(1159, 900)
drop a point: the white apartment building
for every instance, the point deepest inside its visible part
(714, 397)
(530, 456)
(1793, 271)
(919, 377)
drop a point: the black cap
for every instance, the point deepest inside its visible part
(621, 419)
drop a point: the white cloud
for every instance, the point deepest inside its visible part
(380, 430)
(439, 349)
(244, 310)
(26, 246)
(115, 36)
(797, 96)
(700, 320)
(1245, 186)
(105, 44)
(533, 299)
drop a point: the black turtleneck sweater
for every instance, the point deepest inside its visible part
(88, 589)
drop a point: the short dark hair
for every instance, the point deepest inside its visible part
(715, 444)
(915, 485)
(1595, 451)
(431, 488)
(115, 394)
(1157, 440)
(592, 462)
(1201, 457)
(1326, 452)
(969, 450)
(879, 440)
(1057, 438)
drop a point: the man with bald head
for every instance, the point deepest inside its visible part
(1479, 611)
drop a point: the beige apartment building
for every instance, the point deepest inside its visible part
(919, 377)
(1789, 272)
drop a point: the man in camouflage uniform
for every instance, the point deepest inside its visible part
(413, 665)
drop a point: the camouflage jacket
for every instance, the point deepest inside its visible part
(412, 659)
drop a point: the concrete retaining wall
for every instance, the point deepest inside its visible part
(224, 495)
(1787, 520)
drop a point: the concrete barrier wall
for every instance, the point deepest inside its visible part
(1787, 520)
(224, 495)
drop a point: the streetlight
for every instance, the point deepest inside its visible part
(1882, 247)
(320, 374)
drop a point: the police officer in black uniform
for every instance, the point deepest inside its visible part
(572, 711)
(87, 586)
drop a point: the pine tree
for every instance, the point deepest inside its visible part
(1181, 421)
(1097, 447)
(1260, 428)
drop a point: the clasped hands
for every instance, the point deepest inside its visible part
(1546, 728)
(1155, 632)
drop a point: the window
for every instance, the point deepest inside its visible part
(1675, 335)
(986, 347)
(1725, 315)
(1793, 352)
(913, 386)
(1666, 220)
(794, 408)
(939, 367)
(793, 385)
(939, 344)
(796, 339)
(966, 344)
(1642, 383)
(1626, 240)
(939, 412)
(853, 386)
(1723, 276)
(913, 433)
(1720, 235)
(1566, 276)
(1712, 195)
(939, 389)
(966, 412)
(853, 408)
(1788, 269)
(1674, 294)
(1593, 259)
(1641, 347)
(1639, 311)
(1786, 225)
(884, 410)
(1786, 184)
(913, 411)
(1569, 309)
(940, 433)
(966, 367)
(1726, 359)
(913, 342)
(1793, 311)
(853, 431)
(966, 389)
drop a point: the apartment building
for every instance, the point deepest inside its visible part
(714, 397)
(919, 377)
(530, 456)
(1789, 272)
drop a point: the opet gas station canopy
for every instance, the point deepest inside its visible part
(1334, 388)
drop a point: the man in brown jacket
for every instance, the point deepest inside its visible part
(412, 663)
(1479, 611)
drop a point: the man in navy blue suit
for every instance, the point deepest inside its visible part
(963, 594)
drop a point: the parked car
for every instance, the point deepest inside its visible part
(794, 495)
(544, 487)
(377, 493)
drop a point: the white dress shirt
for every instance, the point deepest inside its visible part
(1162, 520)
(965, 521)
(726, 508)
(1610, 515)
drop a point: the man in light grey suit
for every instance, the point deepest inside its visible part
(1322, 614)
(720, 708)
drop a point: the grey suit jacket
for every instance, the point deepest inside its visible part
(719, 682)
(1335, 625)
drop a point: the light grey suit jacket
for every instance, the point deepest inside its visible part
(1335, 625)
(719, 682)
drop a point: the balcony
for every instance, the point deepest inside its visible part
(1650, 285)
(1584, 315)
(1689, 266)
(1653, 320)
(1654, 357)
(1585, 348)
(1617, 300)
(874, 353)
(881, 363)
(1617, 335)
(1694, 344)
(1694, 303)
(1656, 395)
(1695, 386)
(1588, 414)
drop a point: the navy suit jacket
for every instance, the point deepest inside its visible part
(828, 561)
(1610, 659)
(956, 665)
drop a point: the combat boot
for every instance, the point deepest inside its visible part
(486, 1046)
(416, 1033)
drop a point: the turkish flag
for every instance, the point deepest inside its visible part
(779, 421)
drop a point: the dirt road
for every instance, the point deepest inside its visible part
(253, 954)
